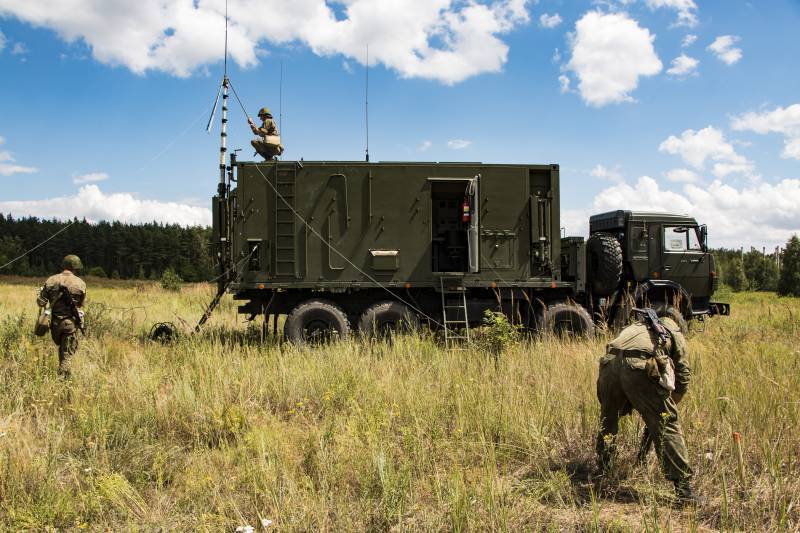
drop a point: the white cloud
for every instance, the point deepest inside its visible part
(688, 41)
(549, 21)
(760, 214)
(2, 41)
(424, 146)
(458, 144)
(723, 48)
(564, 83)
(785, 121)
(683, 66)
(94, 205)
(792, 149)
(682, 175)
(443, 40)
(8, 166)
(610, 174)
(695, 147)
(19, 49)
(686, 10)
(556, 56)
(610, 52)
(91, 177)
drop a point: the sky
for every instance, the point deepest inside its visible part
(684, 106)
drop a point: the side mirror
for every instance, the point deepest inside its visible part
(704, 237)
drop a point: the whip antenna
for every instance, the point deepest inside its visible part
(366, 103)
(280, 103)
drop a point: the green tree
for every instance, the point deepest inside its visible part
(789, 284)
(760, 271)
(734, 276)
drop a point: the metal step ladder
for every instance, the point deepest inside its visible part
(454, 309)
(285, 222)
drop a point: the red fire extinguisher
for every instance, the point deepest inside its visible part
(465, 210)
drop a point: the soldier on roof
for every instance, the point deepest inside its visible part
(268, 144)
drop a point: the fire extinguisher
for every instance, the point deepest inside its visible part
(465, 210)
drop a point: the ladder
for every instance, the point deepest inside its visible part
(285, 221)
(454, 309)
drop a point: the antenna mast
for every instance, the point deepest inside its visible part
(280, 103)
(366, 103)
(223, 134)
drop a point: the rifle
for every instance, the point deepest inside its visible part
(76, 315)
(654, 323)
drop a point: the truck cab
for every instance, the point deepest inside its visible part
(663, 258)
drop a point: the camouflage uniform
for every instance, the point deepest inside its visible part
(265, 146)
(627, 381)
(63, 328)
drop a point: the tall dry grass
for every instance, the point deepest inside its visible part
(222, 430)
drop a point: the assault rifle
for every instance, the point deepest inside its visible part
(76, 314)
(653, 323)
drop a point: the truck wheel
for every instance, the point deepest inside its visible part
(386, 318)
(567, 319)
(316, 322)
(605, 263)
(665, 311)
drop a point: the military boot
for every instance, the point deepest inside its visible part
(684, 494)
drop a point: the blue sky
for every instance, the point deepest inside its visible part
(678, 105)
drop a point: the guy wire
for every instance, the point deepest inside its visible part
(237, 98)
(38, 245)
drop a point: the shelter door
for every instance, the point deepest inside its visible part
(454, 224)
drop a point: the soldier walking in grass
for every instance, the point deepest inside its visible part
(65, 293)
(268, 145)
(645, 369)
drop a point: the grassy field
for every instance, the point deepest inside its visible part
(222, 430)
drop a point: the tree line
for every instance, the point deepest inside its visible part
(146, 251)
(758, 271)
(110, 249)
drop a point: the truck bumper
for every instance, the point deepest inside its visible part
(719, 308)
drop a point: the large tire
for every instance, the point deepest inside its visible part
(385, 319)
(605, 263)
(316, 322)
(567, 319)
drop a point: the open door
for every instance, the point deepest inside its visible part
(454, 225)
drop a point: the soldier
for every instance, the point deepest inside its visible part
(647, 372)
(65, 293)
(268, 145)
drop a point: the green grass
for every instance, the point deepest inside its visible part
(221, 430)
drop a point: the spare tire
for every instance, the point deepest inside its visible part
(604, 255)
(384, 319)
(316, 322)
(567, 319)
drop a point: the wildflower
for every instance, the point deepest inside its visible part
(266, 522)
(245, 529)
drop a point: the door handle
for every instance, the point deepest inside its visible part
(666, 267)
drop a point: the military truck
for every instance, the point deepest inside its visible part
(340, 247)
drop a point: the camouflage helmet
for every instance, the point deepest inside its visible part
(264, 111)
(72, 262)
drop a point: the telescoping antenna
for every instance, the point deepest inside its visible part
(223, 133)
(366, 103)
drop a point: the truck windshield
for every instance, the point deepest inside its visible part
(682, 239)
